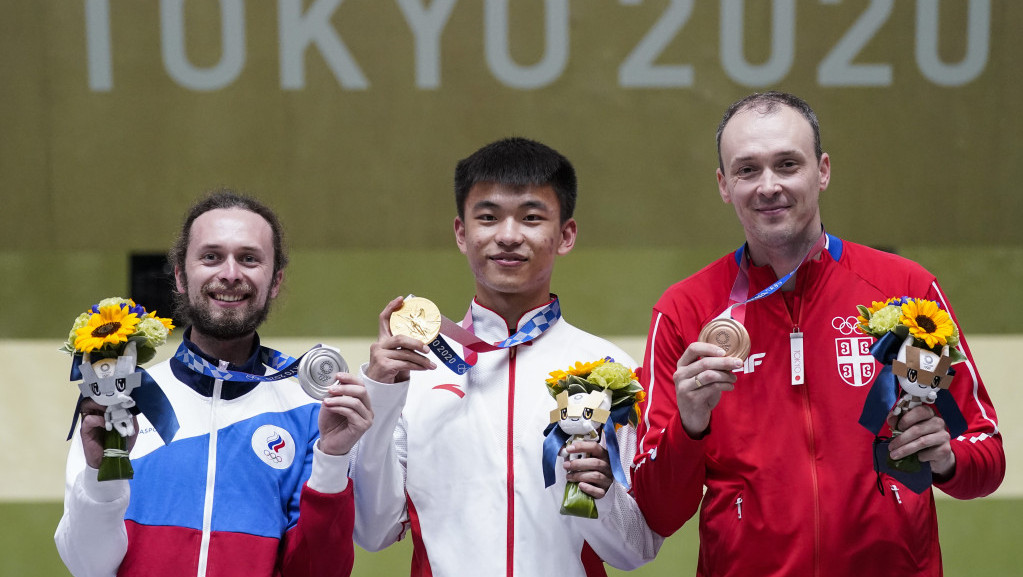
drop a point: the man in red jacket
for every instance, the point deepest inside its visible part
(788, 472)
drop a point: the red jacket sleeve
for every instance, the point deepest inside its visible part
(320, 544)
(669, 466)
(980, 458)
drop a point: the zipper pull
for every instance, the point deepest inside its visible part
(738, 506)
(895, 490)
(796, 356)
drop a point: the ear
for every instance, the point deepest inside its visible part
(569, 231)
(723, 187)
(179, 279)
(825, 171)
(460, 234)
(275, 287)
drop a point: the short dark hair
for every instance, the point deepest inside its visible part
(517, 162)
(227, 198)
(767, 103)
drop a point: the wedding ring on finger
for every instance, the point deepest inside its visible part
(699, 385)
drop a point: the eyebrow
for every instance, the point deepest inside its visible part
(218, 246)
(491, 205)
(780, 153)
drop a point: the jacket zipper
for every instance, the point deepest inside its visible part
(510, 561)
(895, 491)
(738, 506)
(797, 295)
(813, 478)
(211, 477)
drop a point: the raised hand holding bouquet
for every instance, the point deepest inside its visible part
(593, 398)
(107, 343)
(917, 344)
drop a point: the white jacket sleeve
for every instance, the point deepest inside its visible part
(91, 537)
(620, 535)
(378, 469)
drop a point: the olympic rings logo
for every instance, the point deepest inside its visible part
(846, 325)
(272, 455)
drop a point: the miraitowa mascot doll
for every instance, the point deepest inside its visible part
(592, 398)
(110, 383)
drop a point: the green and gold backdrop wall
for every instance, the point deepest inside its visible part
(348, 117)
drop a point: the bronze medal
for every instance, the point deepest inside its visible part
(729, 334)
(418, 318)
(316, 371)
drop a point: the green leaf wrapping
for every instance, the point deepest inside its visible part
(910, 464)
(111, 468)
(577, 503)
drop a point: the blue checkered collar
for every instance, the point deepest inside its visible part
(489, 326)
(203, 384)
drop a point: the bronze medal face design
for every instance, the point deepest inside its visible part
(316, 371)
(728, 334)
(418, 318)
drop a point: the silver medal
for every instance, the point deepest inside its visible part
(316, 371)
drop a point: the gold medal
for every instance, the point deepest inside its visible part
(729, 334)
(418, 318)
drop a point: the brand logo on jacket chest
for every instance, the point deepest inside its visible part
(274, 446)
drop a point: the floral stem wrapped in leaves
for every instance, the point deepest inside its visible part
(593, 398)
(917, 344)
(107, 343)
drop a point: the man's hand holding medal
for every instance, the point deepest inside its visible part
(703, 372)
(407, 325)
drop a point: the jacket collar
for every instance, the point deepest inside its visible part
(491, 327)
(203, 384)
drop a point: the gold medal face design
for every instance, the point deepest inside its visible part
(418, 318)
(729, 334)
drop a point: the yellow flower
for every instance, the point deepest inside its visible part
(927, 322)
(167, 322)
(873, 308)
(111, 325)
(579, 370)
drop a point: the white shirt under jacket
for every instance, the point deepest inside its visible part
(466, 451)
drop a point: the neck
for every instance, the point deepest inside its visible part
(511, 307)
(235, 351)
(784, 258)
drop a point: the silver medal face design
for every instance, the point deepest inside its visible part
(729, 334)
(316, 371)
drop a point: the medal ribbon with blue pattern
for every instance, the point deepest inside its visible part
(544, 319)
(740, 288)
(285, 365)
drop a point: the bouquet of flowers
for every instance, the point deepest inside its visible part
(107, 343)
(929, 324)
(593, 397)
(917, 343)
(106, 328)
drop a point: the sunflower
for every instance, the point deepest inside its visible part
(927, 322)
(579, 370)
(111, 324)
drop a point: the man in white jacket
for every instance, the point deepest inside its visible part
(456, 458)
